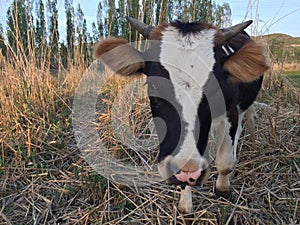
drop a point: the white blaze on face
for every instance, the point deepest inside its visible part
(189, 60)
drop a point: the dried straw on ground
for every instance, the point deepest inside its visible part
(58, 187)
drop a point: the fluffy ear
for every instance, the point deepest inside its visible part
(119, 56)
(248, 63)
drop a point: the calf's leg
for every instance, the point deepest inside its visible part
(185, 201)
(228, 133)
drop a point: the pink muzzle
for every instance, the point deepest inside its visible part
(189, 177)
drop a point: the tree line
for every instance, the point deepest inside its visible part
(32, 26)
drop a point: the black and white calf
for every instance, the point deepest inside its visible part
(200, 78)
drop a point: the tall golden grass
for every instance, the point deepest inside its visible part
(45, 181)
(32, 99)
(287, 66)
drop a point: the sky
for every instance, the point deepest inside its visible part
(269, 16)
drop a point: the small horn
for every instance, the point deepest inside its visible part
(232, 31)
(141, 27)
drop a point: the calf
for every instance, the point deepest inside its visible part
(200, 78)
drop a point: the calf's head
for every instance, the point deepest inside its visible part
(186, 64)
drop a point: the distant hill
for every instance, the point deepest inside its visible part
(282, 47)
(286, 39)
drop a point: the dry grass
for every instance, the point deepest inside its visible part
(44, 180)
(56, 186)
(284, 67)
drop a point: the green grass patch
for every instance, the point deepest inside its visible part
(294, 76)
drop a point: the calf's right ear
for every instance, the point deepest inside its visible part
(119, 56)
(248, 63)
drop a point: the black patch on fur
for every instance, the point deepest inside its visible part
(248, 93)
(203, 124)
(233, 117)
(165, 106)
(189, 27)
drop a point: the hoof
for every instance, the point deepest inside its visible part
(224, 194)
(185, 209)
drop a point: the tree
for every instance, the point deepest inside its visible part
(101, 27)
(123, 25)
(164, 10)
(112, 19)
(226, 16)
(64, 55)
(2, 42)
(85, 49)
(40, 27)
(90, 45)
(70, 27)
(30, 31)
(185, 10)
(148, 9)
(203, 10)
(79, 27)
(40, 35)
(53, 34)
(96, 35)
(134, 9)
(81, 32)
(18, 27)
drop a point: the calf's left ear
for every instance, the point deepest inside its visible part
(248, 63)
(119, 56)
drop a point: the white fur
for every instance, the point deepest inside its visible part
(189, 61)
(238, 133)
(226, 153)
(225, 158)
(163, 167)
(185, 202)
(216, 122)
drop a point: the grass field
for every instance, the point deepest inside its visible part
(45, 180)
(294, 76)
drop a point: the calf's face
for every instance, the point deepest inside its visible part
(177, 97)
(182, 64)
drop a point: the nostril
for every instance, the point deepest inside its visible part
(192, 180)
